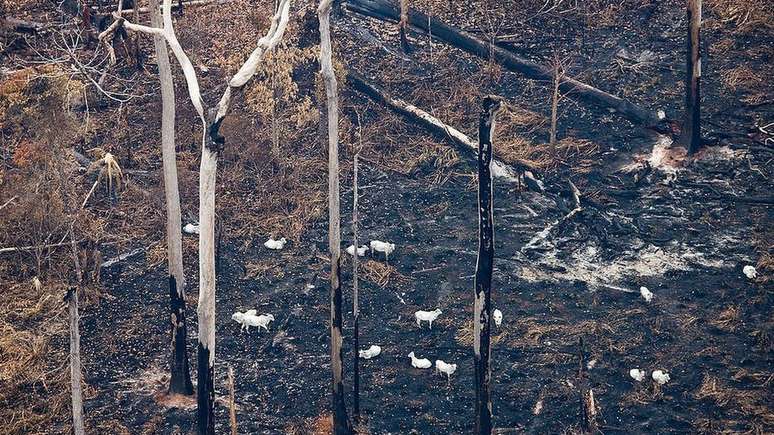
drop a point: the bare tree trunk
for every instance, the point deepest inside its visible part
(404, 26)
(355, 302)
(136, 49)
(554, 105)
(341, 423)
(75, 338)
(75, 361)
(206, 310)
(180, 379)
(484, 266)
(691, 131)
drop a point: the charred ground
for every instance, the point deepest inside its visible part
(683, 228)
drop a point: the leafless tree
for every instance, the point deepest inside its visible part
(180, 379)
(491, 106)
(341, 423)
(555, 95)
(404, 26)
(212, 144)
(75, 361)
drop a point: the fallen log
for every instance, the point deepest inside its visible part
(500, 169)
(23, 26)
(387, 11)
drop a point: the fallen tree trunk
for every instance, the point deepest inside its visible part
(384, 10)
(508, 172)
(23, 26)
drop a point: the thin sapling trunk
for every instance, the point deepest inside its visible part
(75, 361)
(355, 302)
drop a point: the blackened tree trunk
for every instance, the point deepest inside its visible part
(180, 379)
(355, 302)
(341, 423)
(484, 265)
(691, 132)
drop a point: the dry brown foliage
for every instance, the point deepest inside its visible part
(47, 191)
(747, 409)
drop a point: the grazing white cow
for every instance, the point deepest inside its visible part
(427, 316)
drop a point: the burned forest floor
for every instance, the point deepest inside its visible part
(649, 216)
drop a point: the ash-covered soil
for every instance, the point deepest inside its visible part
(707, 322)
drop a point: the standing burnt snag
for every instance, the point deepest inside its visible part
(691, 132)
(492, 105)
(341, 423)
(180, 373)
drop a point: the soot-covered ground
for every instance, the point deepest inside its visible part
(682, 230)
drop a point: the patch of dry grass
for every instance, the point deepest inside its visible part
(742, 76)
(728, 319)
(745, 15)
(34, 374)
(749, 408)
(382, 274)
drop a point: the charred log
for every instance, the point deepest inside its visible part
(384, 10)
(22, 26)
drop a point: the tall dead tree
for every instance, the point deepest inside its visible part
(355, 301)
(484, 265)
(212, 144)
(180, 373)
(341, 423)
(691, 131)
